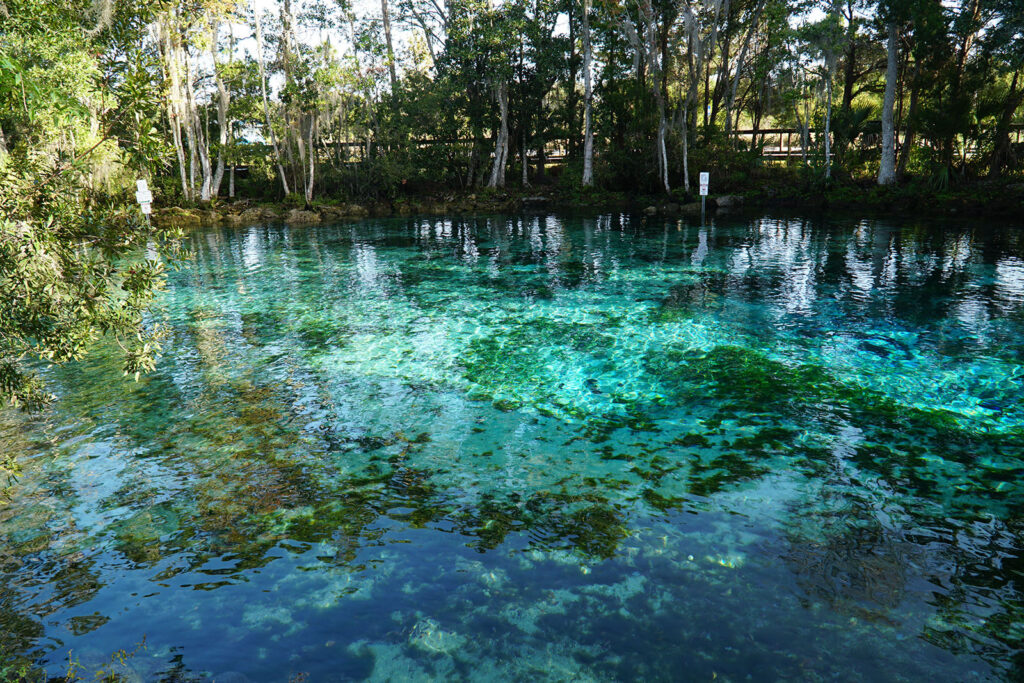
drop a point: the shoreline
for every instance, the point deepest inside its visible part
(994, 201)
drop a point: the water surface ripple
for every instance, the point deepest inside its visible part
(541, 448)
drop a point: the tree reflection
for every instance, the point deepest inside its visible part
(322, 386)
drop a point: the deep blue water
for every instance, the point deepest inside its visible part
(541, 448)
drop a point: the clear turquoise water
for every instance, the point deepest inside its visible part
(542, 448)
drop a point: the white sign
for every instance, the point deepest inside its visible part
(143, 195)
(705, 177)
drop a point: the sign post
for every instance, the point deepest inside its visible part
(705, 177)
(144, 197)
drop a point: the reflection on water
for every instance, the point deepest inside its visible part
(542, 448)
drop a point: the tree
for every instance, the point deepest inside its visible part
(258, 26)
(588, 101)
(887, 168)
(73, 267)
(1004, 50)
(823, 39)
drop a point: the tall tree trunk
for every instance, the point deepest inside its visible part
(759, 104)
(662, 150)
(708, 56)
(720, 80)
(974, 12)
(428, 35)
(887, 169)
(844, 134)
(293, 116)
(588, 102)
(572, 97)
(266, 102)
(911, 128)
(850, 65)
(731, 103)
(901, 83)
(525, 158)
(655, 68)
(196, 138)
(474, 160)
(202, 148)
(387, 39)
(685, 134)
(828, 127)
(805, 131)
(707, 95)
(312, 159)
(166, 32)
(695, 48)
(501, 144)
(223, 100)
(367, 93)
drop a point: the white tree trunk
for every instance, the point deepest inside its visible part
(655, 73)
(387, 41)
(805, 125)
(662, 151)
(887, 169)
(828, 127)
(312, 160)
(198, 140)
(588, 102)
(166, 29)
(696, 48)
(223, 100)
(293, 138)
(501, 145)
(174, 108)
(266, 103)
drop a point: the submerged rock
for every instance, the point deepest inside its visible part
(428, 635)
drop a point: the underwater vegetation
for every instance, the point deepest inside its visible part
(541, 448)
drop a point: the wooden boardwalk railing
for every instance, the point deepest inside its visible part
(775, 144)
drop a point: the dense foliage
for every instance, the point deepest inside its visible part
(312, 100)
(75, 264)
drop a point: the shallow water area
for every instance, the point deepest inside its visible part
(541, 447)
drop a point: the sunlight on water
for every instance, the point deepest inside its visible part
(541, 448)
